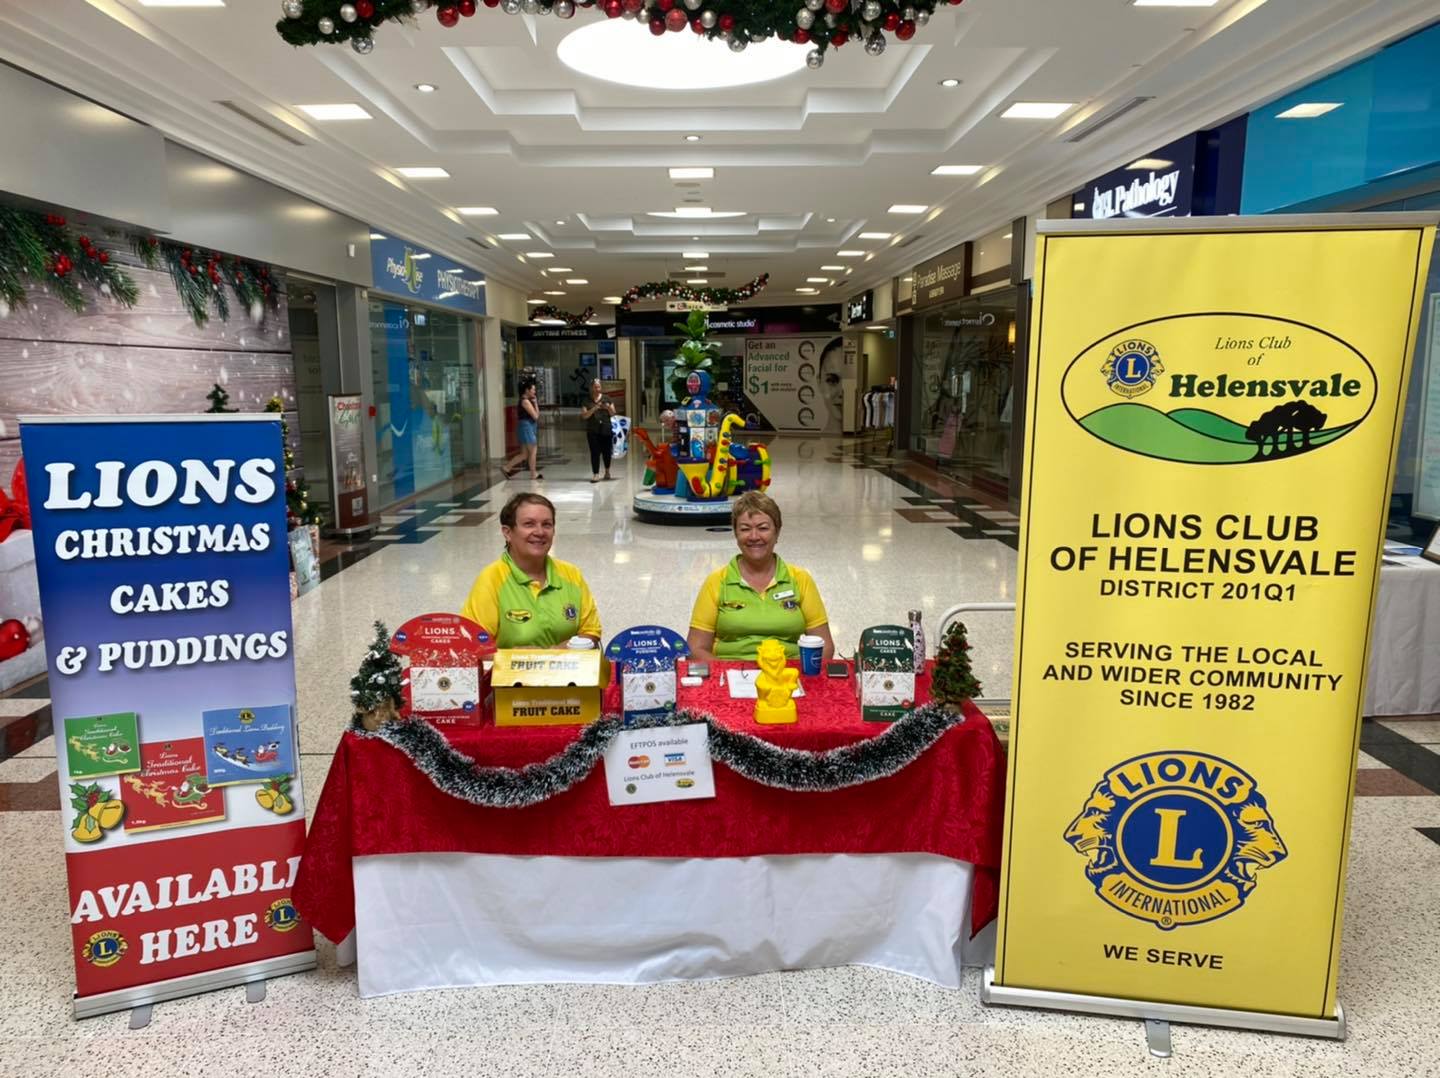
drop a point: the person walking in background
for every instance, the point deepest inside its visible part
(527, 429)
(597, 413)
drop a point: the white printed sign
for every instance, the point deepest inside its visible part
(659, 763)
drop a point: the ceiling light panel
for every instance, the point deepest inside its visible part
(694, 254)
(611, 51)
(907, 208)
(1175, 3)
(1308, 110)
(554, 293)
(692, 173)
(538, 254)
(875, 236)
(818, 280)
(697, 280)
(182, 3)
(1037, 110)
(425, 87)
(345, 111)
(576, 280)
(423, 172)
(697, 269)
(955, 170)
(514, 237)
(834, 269)
(477, 211)
(850, 254)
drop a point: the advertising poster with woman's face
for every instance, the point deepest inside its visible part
(798, 383)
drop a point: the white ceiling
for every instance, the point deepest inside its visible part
(578, 162)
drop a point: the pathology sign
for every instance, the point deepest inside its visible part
(163, 572)
(407, 270)
(1160, 184)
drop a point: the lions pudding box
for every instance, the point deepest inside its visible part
(547, 687)
(445, 652)
(885, 673)
(644, 661)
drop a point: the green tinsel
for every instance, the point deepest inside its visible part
(716, 296)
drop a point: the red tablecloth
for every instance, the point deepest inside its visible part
(950, 802)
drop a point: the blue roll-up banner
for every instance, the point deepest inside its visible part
(160, 549)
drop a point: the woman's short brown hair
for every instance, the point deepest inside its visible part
(754, 501)
(512, 507)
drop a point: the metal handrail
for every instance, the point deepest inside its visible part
(981, 608)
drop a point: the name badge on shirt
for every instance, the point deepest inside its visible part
(788, 593)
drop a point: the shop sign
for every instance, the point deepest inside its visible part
(941, 278)
(1206, 492)
(407, 270)
(563, 333)
(861, 308)
(1158, 185)
(747, 322)
(683, 305)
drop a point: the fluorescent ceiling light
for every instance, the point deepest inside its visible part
(955, 170)
(1308, 110)
(552, 292)
(560, 269)
(697, 269)
(850, 254)
(421, 257)
(576, 280)
(611, 50)
(514, 237)
(697, 280)
(477, 211)
(182, 3)
(534, 302)
(1007, 236)
(877, 327)
(423, 172)
(1036, 110)
(692, 138)
(1150, 162)
(377, 235)
(907, 207)
(538, 254)
(425, 87)
(949, 84)
(836, 269)
(695, 211)
(612, 299)
(692, 173)
(876, 235)
(817, 280)
(1175, 3)
(808, 291)
(694, 254)
(347, 111)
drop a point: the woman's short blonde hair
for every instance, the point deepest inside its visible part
(754, 501)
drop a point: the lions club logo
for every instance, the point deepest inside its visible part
(1132, 367)
(281, 916)
(1175, 838)
(104, 949)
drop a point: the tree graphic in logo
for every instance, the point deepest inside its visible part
(1285, 429)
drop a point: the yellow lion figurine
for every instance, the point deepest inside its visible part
(773, 688)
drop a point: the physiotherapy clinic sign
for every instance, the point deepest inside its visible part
(407, 270)
(163, 569)
(1212, 448)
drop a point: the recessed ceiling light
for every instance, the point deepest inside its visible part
(829, 220)
(182, 3)
(876, 235)
(818, 280)
(539, 254)
(694, 254)
(692, 173)
(611, 51)
(561, 221)
(907, 207)
(612, 299)
(477, 211)
(835, 269)
(534, 302)
(425, 87)
(377, 235)
(421, 257)
(348, 111)
(423, 172)
(554, 293)
(955, 170)
(808, 291)
(576, 280)
(1036, 110)
(850, 254)
(1174, 3)
(1308, 110)
(514, 237)
(697, 280)
(1007, 235)
(949, 84)
(697, 269)
(560, 269)
(695, 212)
(692, 138)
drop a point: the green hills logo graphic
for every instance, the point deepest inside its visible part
(1219, 388)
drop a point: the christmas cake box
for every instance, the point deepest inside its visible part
(171, 789)
(547, 687)
(444, 682)
(885, 672)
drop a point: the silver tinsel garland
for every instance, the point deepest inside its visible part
(798, 770)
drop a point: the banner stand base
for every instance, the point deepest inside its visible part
(142, 997)
(993, 994)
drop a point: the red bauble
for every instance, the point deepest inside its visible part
(657, 26)
(13, 638)
(466, 7)
(492, 3)
(84, 241)
(666, 5)
(726, 23)
(835, 7)
(838, 38)
(104, 257)
(634, 6)
(697, 26)
(801, 36)
(675, 20)
(613, 9)
(448, 16)
(892, 20)
(364, 8)
(905, 31)
(54, 219)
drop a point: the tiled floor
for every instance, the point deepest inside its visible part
(881, 536)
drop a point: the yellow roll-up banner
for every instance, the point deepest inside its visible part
(1213, 413)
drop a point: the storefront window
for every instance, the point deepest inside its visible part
(962, 389)
(429, 418)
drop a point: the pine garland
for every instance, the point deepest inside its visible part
(201, 278)
(550, 311)
(36, 247)
(717, 296)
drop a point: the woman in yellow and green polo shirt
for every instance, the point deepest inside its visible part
(528, 599)
(756, 596)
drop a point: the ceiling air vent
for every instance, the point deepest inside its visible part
(260, 120)
(908, 240)
(1103, 118)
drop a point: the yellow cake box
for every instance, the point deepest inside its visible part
(547, 686)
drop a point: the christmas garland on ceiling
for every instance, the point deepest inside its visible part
(43, 249)
(552, 313)
(717, 296)
(201, 278)
(821, 24)
(796, 770)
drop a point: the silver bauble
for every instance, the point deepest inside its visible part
(511, 7)
(708, 19)
(814, 5)
(804, 18)
(564, 9)
(922, 17)
(737, 44)
(814, 58)
(418, 7)
(292, 9)
(876, 45)
(908, 13)
(326, 25)
(830, 20)
(693, 5)
(363, 45)
(871, 11)
(347, 13)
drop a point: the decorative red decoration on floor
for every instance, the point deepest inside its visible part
(13, 639)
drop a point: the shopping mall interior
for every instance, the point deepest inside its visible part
(382, 222)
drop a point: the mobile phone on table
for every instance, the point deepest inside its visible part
(698, 669)
(837, 669)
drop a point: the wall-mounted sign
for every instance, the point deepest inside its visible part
(693, 305)
(942, 278)
(563, 333)
(1159, 185)
(747, 322)
(410, 271)
(860, 308)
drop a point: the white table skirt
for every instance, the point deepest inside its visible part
(450, 920)
(1404, 676)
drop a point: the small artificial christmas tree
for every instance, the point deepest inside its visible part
(218, 398)
(375, 688)
(298, 507)
(953, 681)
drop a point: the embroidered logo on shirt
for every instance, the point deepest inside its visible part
(791, 604)
(517, 615)
(570, 612)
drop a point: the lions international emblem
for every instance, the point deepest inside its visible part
(1132, 367)
(1175, 838)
